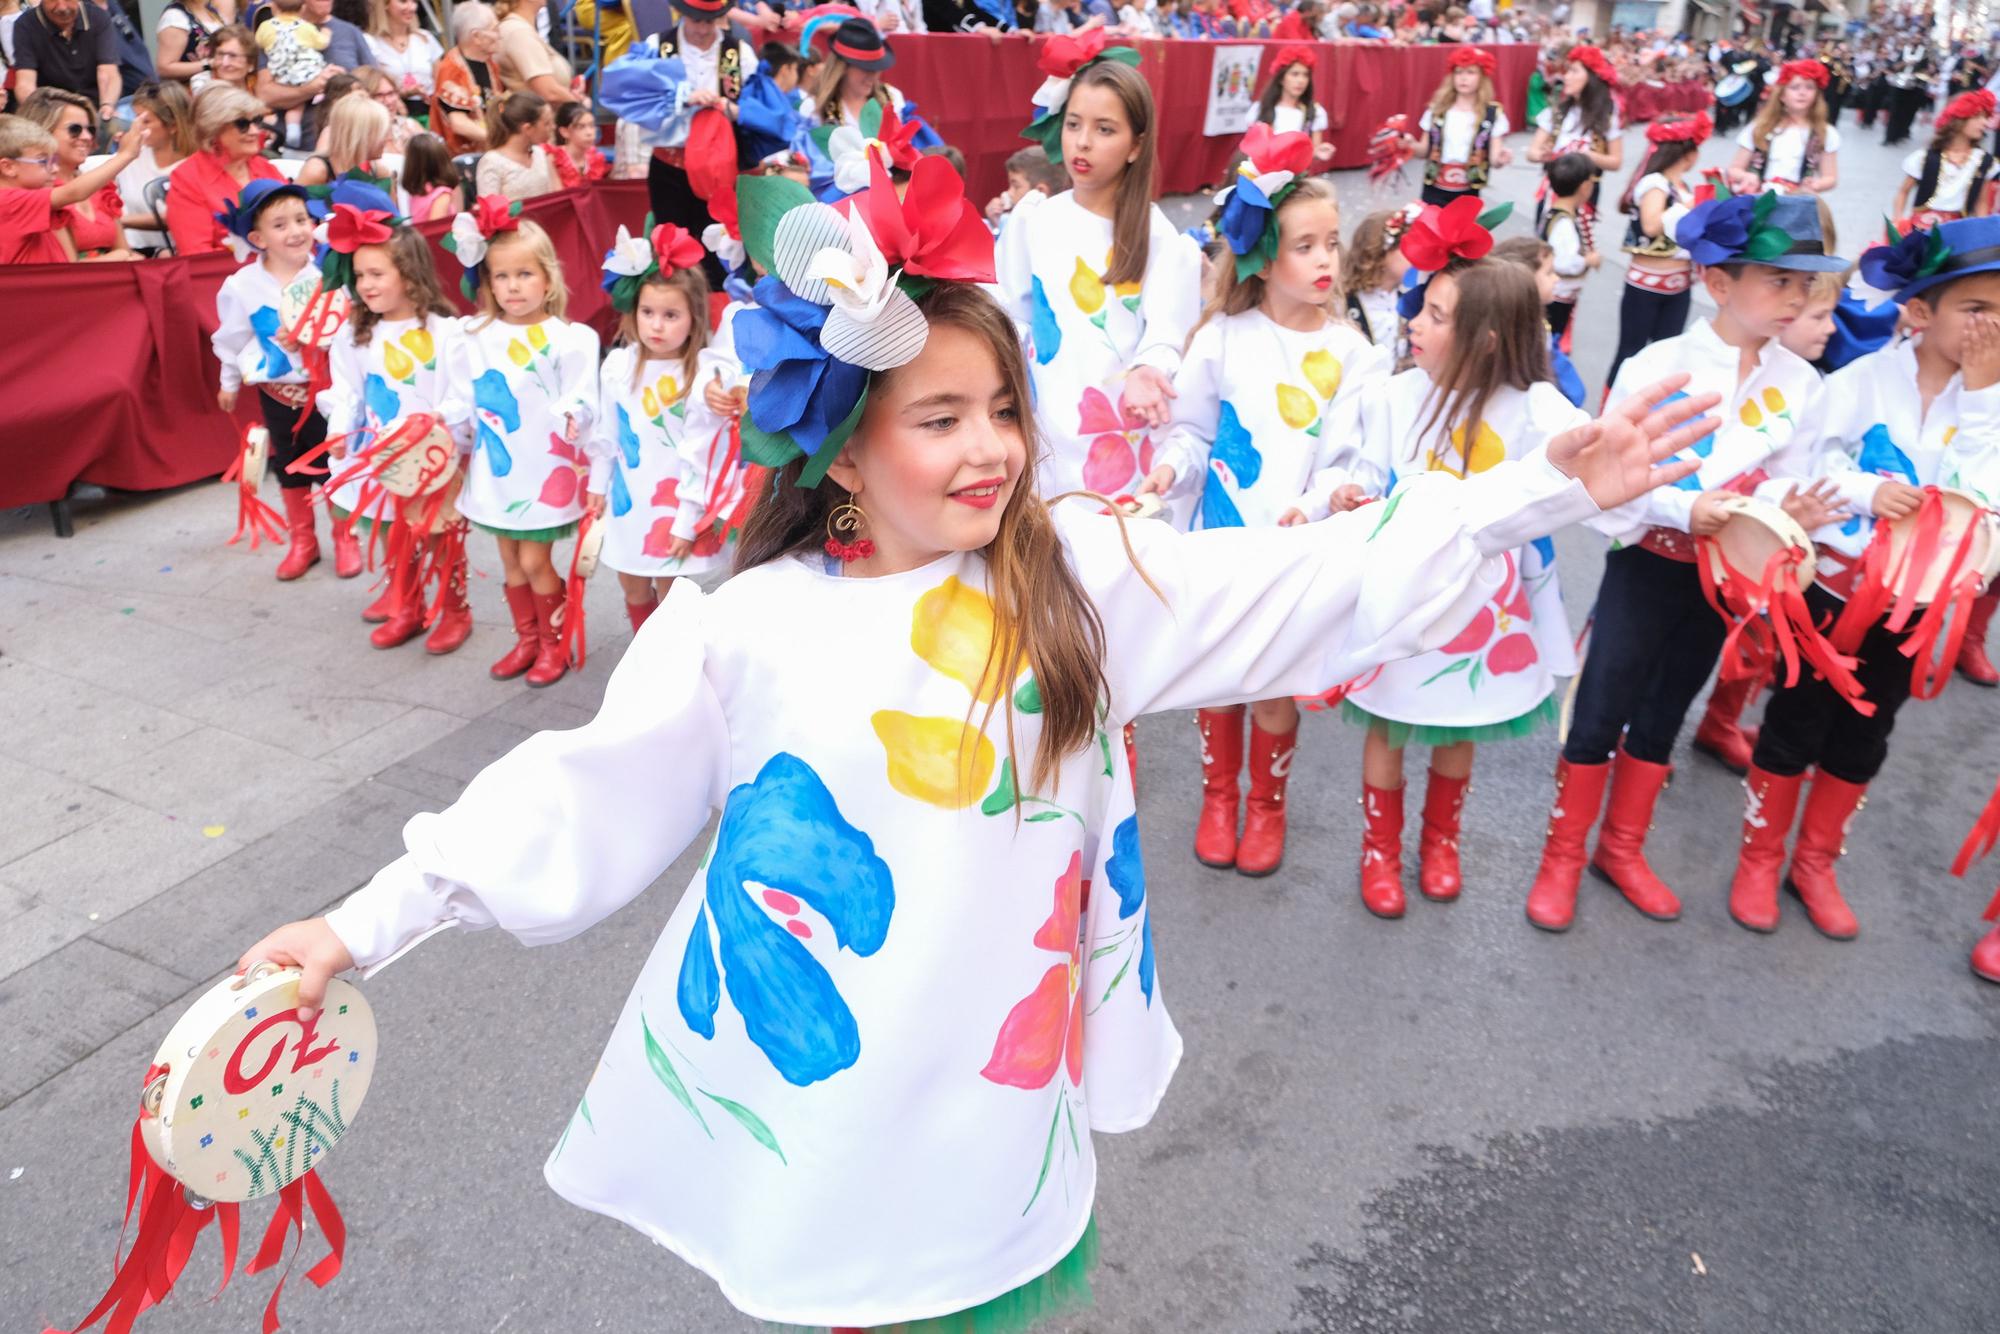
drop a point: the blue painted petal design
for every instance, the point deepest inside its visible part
(1042, 326)
(1146, 959)
(1880, 456)
(1234, 447)
(784, 831)
(384, 404)
(621, 495)
(1702, 449)
(1217, 509)
(700, 988)
(1125, 868)
(628, 440)
(264, 323)
(491, 395)
(1545, 547)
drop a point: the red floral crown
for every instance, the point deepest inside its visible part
(1692, 130)
(1289, 56)
(1803, 69)
(1596, 62)
(1978, 102)
(1467, 56)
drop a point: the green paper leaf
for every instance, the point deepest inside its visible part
(1935, 254)
(760, 202)
(1895, 237)
(664, 1070)
(1496, 215)
(829, 450)
(764, 449)
(871, 119)
(1124, 55)
(914, 287)
(1001, 798)
(1760, 212)
(1028, 699)
(1767, 243)
(1046, 130)
(751, 1122)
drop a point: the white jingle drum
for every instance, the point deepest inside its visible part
(589, 548)
(1963, 511)
(1755, 531)
(256, 456)
(310, 313)
(243, 1098)
(414, 467)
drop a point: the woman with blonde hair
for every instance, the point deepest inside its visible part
(357, 135)
(852, 75)
(228, 127)
(166, 112)
(93, 224)
(404, 50)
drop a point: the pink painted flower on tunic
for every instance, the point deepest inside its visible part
(1044, 1031)
(1120, 446)
(559, 489)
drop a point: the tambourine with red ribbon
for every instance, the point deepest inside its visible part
(1755, 572)
(407, 475)
(312, 313)
(246, 473)
(582, 564)
(1920, 573)
(244, 1099)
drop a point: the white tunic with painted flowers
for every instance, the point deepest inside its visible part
(403, 369)
(1084, 336)
(856, 1079)
(534, 393)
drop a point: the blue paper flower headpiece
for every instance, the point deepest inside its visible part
(1271, 167)
(1918, 260)
(1778, 231)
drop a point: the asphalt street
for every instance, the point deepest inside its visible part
(1445, 1124)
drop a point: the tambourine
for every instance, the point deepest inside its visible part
(1962, 511)
(243, 1098)
(309, 311)
(589, 547)
(1148, 506)
(1754, 532)
(256, 456)
(411, 469)
(1732, 90)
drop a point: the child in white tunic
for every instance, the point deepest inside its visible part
(532, 379)
(1272, 378)
(657, 451)
(1102, 286)
(869, 726)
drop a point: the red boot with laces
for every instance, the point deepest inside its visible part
(1262, 848)
(1382, 850)
(1221, 762)
(1579, 797)
(1760, 861)
(527, 635)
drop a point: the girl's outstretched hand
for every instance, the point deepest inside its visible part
(1148, 393)
(1623, 454)
(310, 946)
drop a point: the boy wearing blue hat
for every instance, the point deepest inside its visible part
(1923, 412)
(252, 340)
(1656, 639)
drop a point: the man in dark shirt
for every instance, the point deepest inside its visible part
(68, 44)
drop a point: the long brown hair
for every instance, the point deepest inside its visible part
(692, 284)
(1499, 339)
(1663, 156)
(1041, 615)
(411, 255)
(1447, 94)
(1772, 114)
(1132, 220)
(508, 116)
(1230, 295)
(1364, 260)
(173, 106)
(1267, 105)
(826, 98)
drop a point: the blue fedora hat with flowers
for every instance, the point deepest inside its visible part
(1913, 263)
(1777, 231)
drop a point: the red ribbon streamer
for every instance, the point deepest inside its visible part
(1885, 589)
(315, 327)
(574, 640)
(1769, 621)
(253, 516)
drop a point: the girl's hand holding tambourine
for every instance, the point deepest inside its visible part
(310, 946)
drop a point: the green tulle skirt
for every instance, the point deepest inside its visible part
(1063, 1290)
(555, 534)
(1401, 734)
(362, 523)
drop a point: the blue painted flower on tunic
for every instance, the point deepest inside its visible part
(1236, 462)
(1879, 457)
(1043, 330)
(264, 322)
(784, 834)
(628, 457)
(1126, 870)
(383, 404)
(1702, 449)
(491, 395)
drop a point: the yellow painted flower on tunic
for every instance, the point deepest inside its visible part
(1752, 417)
(1296, 407)
(517, 352)
(952, 630)
(649, 402)
(942, 761)
(1774, 403)
(1322, 370)
(1128, 289)
(1086, 289)
(1487, 450)
(537, 339)
(397, 362)
(422, 347)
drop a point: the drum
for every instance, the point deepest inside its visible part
(589, 548)
(256, 456)
(1962, 511)
(310, 313)
(1755, 532)
(411, 468)
(243, 1098)
(1733, 90)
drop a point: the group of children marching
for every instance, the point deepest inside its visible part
(1254, 385)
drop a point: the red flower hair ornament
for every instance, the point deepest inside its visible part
(1978, 102)
(1289, 56)
(1693, 129)
(1466, 57)
(1061, 58)
(349, 228)
(1596, 62)
(1807, 69)
(1456, 231)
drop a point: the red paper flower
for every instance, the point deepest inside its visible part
(1440, 235)
(1270, 152)
(1596, 62)
(1693, 129)
(722, 207)
(933, 231)
(1466, 56)
(1803, 69)
(349, 228)
(1062, 55)
(899, 140)
(674, 249)
(1965, 106)
(1289, 56)
(496, 214)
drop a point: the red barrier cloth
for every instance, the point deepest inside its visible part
(975, 93)
(1649, 101)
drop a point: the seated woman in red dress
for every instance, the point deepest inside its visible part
(94, 223)
(227, 123)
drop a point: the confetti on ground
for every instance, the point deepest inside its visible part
(212, 830)
(93, 917)
(15, 1175)
(126, 611)
(1699, 1267)
(166, 569)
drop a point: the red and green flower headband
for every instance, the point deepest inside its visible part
(472, 234)
(1062, 58)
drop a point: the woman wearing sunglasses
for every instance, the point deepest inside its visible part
(226, 124)
(93, 224)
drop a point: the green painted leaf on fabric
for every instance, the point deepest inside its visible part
(1496, 215)
(1043, 817)
(1461, 665)
(751, 1122)
(1048, 1156)
(663, 1070)
(584, 1107)
(1001, 798)
(1104, 744)
(760, 202)
(1388, 513)
(1028, 699)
